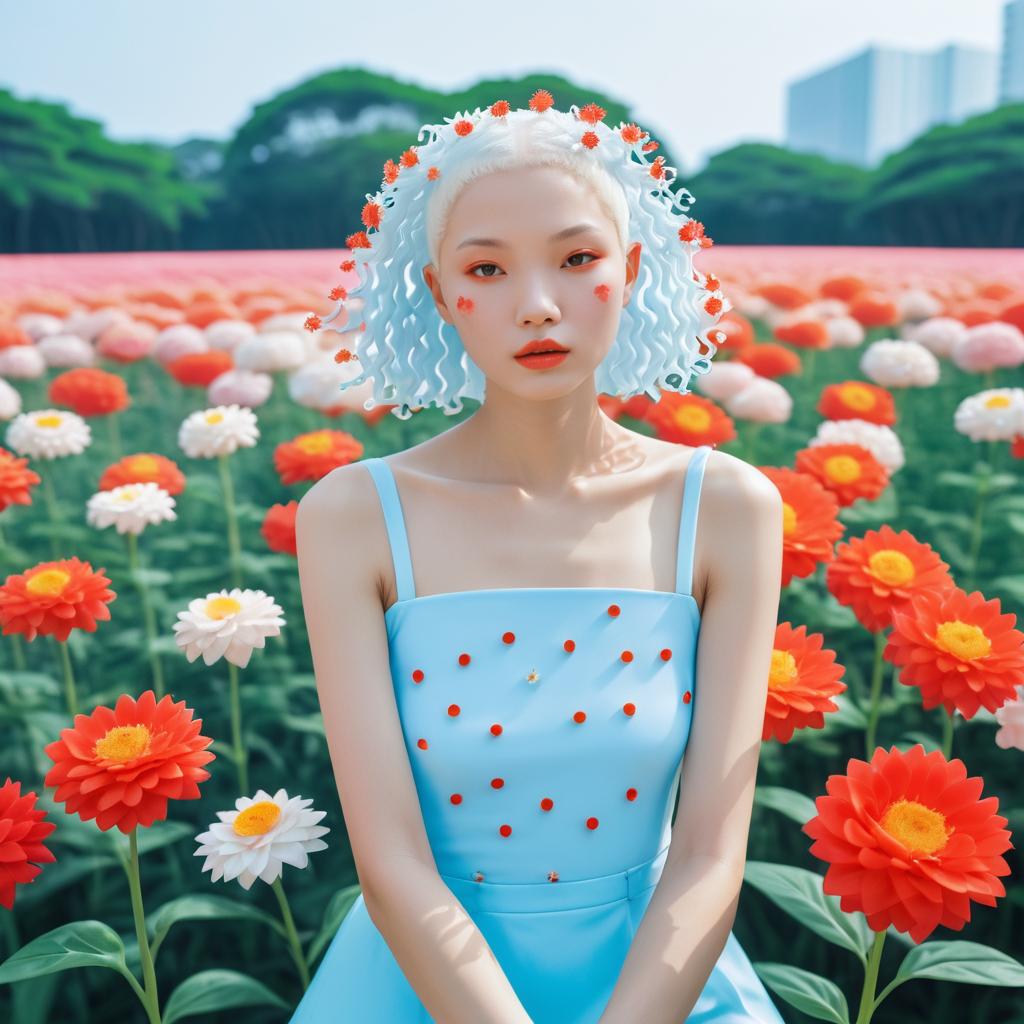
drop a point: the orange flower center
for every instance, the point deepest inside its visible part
(693, 418)
(257, 819)
(856, 396)
(222, 607)
(844, 469)
(920, 829)
(214, 417)
(47, 582)
(997, 402)
(891, 567)
(782, 674)
(124, 742)
(788, 519)
(49, 421)
(962, 639)
(318, 443)
(143, 465)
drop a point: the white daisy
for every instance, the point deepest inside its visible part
(899, 364)
(48, 434)
(259, 837)
(993, 415)
(879, 439)
(130, 507)
(220, 430)
(228, 624)
(844, 332)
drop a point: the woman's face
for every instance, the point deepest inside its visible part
(530, 254)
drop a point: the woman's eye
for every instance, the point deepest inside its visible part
(480, 266)
(575, 254)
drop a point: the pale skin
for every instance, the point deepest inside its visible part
(540, 488)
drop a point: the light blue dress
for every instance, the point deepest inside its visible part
(545, 727)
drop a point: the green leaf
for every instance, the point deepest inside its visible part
(798, 806)
(196, 907)
(1006, 586)
(161, 834)
(964, 481)
(799, 892)
(209, 991)
(816, 996)
(970, 963)
(78, 944)
(1015, 521)
(337, 910)
(926, 740)
(150, 577)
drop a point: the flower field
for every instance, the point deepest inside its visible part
(163, 413)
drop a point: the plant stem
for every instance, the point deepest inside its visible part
(976, 527)
(70, 695)
(234, 547)
(148, 616)
(867, 996)
(151, 1001)
(948, 727)
(236, 731)
(293, 935)
(53, 511)
(876, 692)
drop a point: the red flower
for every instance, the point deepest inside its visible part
(690, 419)
(541, 100)
(589, 139)
(312, 456)
(391, 172)
(463, 127)
(15, 480)
(592, 113)
(358, 240)
(784, 295)
(691, 231)
(409, 157)
(500, 108)
(631, 133)
(804, 675)
(55, 598)
(22, 831)
(881, 572)
(89, 391)
(857, 400)
(121, 766)
(371, 215)
(908, 842)
(874, 311)
(141, 468)
(200, 369)
(278, 528)
(803, 334)
(958, 650)
(769, 360)
(849, 471)
(810, 523)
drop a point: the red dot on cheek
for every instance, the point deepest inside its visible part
(465, 304)
(602, 291)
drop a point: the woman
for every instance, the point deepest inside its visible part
(504, 619)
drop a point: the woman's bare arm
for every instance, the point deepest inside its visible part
(341, 539)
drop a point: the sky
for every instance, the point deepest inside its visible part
(699, 76)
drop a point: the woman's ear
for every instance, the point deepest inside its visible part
(434, 284)
(632, 270)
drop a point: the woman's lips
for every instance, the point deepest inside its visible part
(541, 360)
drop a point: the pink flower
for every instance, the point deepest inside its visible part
(22, 362)
(724, 379)
(1011, 717)
(761, 401)
(987, 346)
(179, 340)
(127, 342)
(240, 387)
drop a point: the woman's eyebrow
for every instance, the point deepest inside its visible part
(576, 229)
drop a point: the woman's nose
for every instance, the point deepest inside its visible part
(537, 305)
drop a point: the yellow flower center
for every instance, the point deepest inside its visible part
(844, 469)
(49, 421)
(222, 607)
(963, 640)
(693, 418)
(856, 396)
(124, 742)
(257, 819)
(144, 465)
(214, 417)
(788, 519)
(920, 829)
(128, 494)
(782, 674)
(891, 567)
(997, 401)
(317, 443)
(48, 582)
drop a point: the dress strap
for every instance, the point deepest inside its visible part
(688, 519)
(387, 491)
